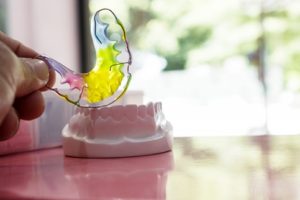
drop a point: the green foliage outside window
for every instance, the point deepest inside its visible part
(192, 32)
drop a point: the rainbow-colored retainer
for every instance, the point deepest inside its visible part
(106, 76)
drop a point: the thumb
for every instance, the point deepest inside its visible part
(34, 75)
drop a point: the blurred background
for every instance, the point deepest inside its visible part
(219, 67)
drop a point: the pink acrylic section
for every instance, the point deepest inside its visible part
(118, 131)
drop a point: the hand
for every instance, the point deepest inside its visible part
(22, 78)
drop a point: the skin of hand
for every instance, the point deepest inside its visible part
(22, 79)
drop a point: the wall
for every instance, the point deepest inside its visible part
(48, 26)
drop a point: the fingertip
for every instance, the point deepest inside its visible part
(52, 78)
(10, 125)
(40, 69)
(33, 74)
(51, 81)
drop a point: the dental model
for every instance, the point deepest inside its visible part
(96, 130)
(118, 131)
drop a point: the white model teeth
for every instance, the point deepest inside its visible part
(115, 122)
(86, 112)
(117, 112)
(131, 112)
(156, 107)
(77, 110)
(94, 113)
(150, 109)
(104, 112)
(73, 123)
(160, 106)
(142, 111)
(108, 129)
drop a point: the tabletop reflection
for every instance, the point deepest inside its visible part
(48, 174)
(215, 168)
(125, 178)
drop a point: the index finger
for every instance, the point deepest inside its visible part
(23, 51)
(17, 47)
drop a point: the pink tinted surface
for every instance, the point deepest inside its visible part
(235, 168)
(24, 140)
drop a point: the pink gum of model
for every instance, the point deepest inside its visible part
(118, 131)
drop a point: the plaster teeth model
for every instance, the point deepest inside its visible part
(118, 131)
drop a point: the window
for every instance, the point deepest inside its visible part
(218, 67)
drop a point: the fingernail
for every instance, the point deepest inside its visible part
(40, 69)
